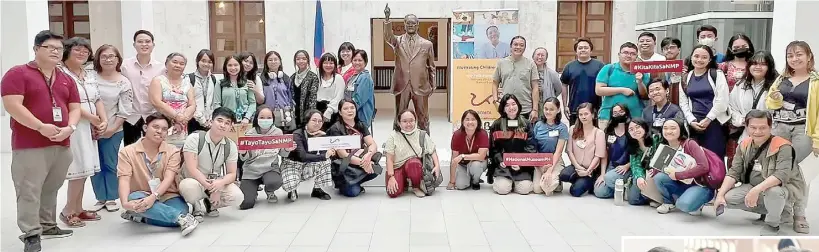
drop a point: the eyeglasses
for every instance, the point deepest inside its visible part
(53, 48)
(109, 57)
(629, 53)
(80, 51)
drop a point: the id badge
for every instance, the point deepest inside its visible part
(611, 139)
(757, 166)
(553, 133)
(154, 184)
(512, 123)
(58, 114)
(739, 74)
(658, 122)
(212, 176)
(581, 144)
(788, 105)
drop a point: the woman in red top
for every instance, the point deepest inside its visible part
(470, 144)
(345, 61)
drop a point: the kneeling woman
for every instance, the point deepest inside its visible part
(509, 134)
(301, 164)
(351, 168)
(619, 165)
(586, 150)
(690, 197)
(549, 135)
(405, 149)
(261, 166)
(470, 144)
(641, 147)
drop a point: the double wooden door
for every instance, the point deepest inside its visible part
(587, 18)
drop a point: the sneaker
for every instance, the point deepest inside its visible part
(490, 180)
(363, 190)
(187, 223)
(768, 230)
(801, 226)
(665, 208)
(654, 204)
(213, 213)
(32, 244)
(318, 193)
(199, 216)
(476, 186)
(271, 197)
(760, 220)
(56, 232)
(293, 196)
(697, 212)
(132, 216)
(559, 188)
(259, 188)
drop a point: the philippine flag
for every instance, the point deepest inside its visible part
(318, 35)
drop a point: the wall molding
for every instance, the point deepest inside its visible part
(704, 16)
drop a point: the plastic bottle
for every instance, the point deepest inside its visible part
(619, 192)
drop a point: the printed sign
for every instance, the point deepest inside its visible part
(265, 142)
(527, 159)
(334, 142)
(238, 131)
(657, 66)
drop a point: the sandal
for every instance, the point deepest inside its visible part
(801, 226)
(88, 216)
(451, 186)
(72, 221)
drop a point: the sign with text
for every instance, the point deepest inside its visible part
(334, 142)
(265, 142)
(664, 66)
(527, 159)
(238, 131)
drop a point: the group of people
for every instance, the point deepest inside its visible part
(175, 129)
(736, 106)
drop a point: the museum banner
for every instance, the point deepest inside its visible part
(479, 39)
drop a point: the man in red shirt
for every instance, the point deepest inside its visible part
(44, 105)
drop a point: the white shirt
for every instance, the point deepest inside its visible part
(655, 57)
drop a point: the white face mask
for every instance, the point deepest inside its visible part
(707, 41)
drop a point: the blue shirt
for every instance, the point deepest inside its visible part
(581, 80)
(655, 117)
(620, 78)
(545, 136)
(618, 151)
(701, 95)
(720, 58)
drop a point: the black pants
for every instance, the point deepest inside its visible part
(272, 181)
(132, 132)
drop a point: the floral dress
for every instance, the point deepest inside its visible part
(177, 98)
(84, 150)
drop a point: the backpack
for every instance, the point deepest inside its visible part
(429, 179)
(192, 77)
(716, 169)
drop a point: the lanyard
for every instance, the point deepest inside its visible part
(469, 142)
(50, 85)
(213, 158)
(152, 166)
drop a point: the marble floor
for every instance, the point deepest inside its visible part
(448, 221)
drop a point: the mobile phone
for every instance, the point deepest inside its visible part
(720, 210)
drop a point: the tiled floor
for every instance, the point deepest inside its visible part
(448, 221)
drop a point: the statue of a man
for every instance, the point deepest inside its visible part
(414, 77)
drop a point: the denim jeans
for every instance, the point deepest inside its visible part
(105, 182)
(162, 214)
(606, 190)
(580, 185)
(689, 198)
(355, 189)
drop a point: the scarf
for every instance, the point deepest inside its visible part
(300, 77)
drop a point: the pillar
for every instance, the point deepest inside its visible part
(135, 15)
(793, 20)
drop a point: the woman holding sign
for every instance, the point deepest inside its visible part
(302, 164)
(261, 166)
(677, 184)
(549, 135)
(510, 134)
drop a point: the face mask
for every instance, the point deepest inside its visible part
(618, 119)
(742, 52)
(265, 123)
(707, 41)
(414, 128)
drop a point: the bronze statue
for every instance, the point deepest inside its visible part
(414, 77)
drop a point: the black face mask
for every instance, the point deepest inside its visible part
(618, 119)
(742, 53)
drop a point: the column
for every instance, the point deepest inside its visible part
(793, 20)
(135, 15)
(20, 21)
(623, 21)
(106, 25)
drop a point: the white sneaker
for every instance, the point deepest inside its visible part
(213, 213)
(665, 208)
(271, 197)
(187, 223)
(654, 204)
(697, 212)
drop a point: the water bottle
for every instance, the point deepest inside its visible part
(619, 192)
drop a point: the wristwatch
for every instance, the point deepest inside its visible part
(156, 195)
(72, 127)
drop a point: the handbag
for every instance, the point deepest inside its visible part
(431, 181)
(344, 174)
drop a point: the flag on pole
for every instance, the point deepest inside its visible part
(318, 34)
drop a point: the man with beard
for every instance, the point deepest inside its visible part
(414, 77)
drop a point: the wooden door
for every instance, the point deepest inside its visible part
(587, 18)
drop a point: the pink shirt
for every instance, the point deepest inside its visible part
(140, 77)
(586, 150)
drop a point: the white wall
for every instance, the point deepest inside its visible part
(623, 20)
(793, 20)
(20, 21)
(106, 25)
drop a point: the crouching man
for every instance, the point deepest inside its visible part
(210, 166)
(764, 165)
(147, 172)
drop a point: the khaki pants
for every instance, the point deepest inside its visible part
(771, 202)
(37, 175)
(505, 185)
(547, 182)
(193, 192)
